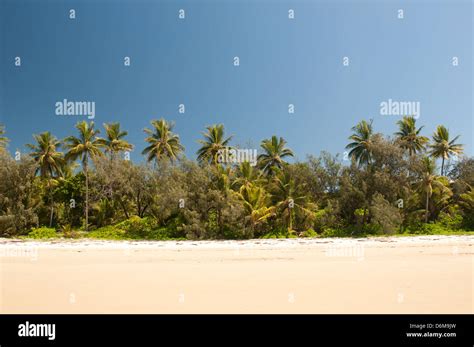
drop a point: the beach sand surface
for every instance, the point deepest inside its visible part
(426, 274)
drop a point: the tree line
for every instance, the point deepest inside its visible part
(391, 184)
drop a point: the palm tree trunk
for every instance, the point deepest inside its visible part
(52, 208)
(442, 167)
(87, 194)
(219, 221)
(427, 206)
(51, 215)
(290, 224)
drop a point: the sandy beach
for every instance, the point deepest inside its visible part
(425, 274)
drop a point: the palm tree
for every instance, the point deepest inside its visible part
(254, 200)
(45, 153)
(429, 181)
(114, 142)
(246, 175)
(50, 162)
(223, 177)
(3, 139)
(86, 146)
(68, 169)
(409, 136)
(287, 200)
(361, 147)
(274, 152)
(163, 142)
(214, 141)
(442, 147)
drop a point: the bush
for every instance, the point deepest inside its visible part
(137, 228)
(68, 232)
(430, 229)
(280, 233)
(329, 232)
(386, 216)
(134, 228)
(17, 189)
(42, 233)
(163, 234)
(327, 217)
(451, 221)
(174, 227)
(108, 233)
(309, 233)
(467, 209)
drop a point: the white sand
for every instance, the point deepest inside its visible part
(426, 274)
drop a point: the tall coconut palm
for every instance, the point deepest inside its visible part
(214, 141)
(274, 152)
(46, 155)
(84, 147)
(361, 147)
(114, 142)
(429, 180)
(163, 142)
(442, 147)
(49, 162)
(3, 139)
(409, 136)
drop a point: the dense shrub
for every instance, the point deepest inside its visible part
(385, 215)
(163, 234)
(68, 232)
(329, 232)
(19, 192)
(109, 233)
(430, 229)
(309, 233)
(137, 228)
(134, 228)
(280, 233)
(467, 209)
(42, 233)
(451, 221)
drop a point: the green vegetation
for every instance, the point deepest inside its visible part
(163, 143)
(388, 186)
(43, 233)
(3, 139)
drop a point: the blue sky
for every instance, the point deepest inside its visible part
(282, 62)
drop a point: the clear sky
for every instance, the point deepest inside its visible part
(282, 61)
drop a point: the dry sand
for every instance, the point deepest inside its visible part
(426, 274)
